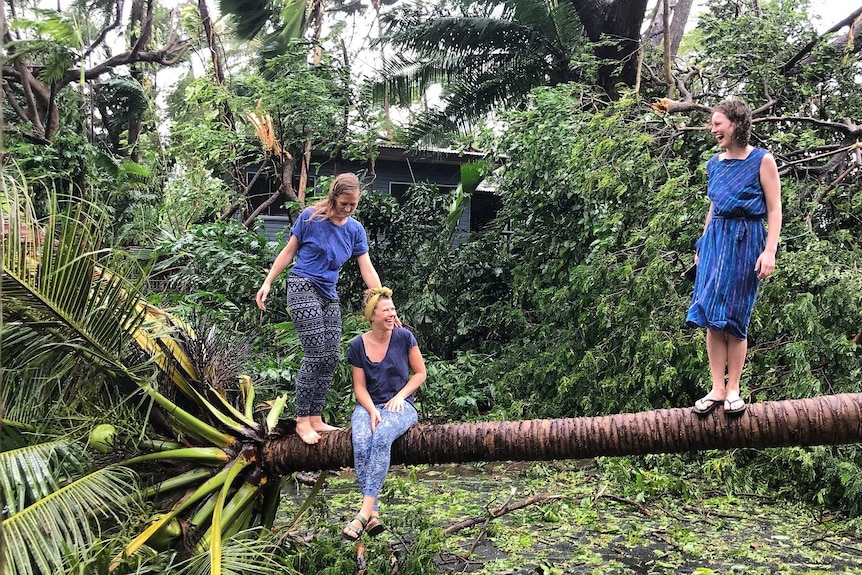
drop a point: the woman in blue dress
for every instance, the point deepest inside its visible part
(735, 251)
(387, 369)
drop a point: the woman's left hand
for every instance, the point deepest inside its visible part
(395, 405)
(765, 265)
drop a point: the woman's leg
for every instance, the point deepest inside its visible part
(716, 350)
(360, 433)
(363, 439)
(391, 427)
(331, 315)
(736, 351)
(318, 362)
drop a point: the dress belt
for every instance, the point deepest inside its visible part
(746, 218)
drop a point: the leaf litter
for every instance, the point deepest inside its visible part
(567, 517)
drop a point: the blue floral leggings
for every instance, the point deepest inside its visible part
(371, 450)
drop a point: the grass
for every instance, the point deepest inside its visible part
(595, 526)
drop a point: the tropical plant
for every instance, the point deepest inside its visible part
(50, 50)
(64, 303)
(487, 58)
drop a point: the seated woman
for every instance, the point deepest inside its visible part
(382, 360)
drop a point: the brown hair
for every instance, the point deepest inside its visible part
(342, 184)
(739, 115)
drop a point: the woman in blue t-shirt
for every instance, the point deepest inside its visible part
(382, 361)
(322, 239)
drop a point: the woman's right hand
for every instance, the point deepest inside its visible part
(375, 418)
(695, 258)
(261, 296)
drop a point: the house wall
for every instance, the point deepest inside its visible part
(386, 171)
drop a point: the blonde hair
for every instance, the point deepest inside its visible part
(370, 299)
(345, 183)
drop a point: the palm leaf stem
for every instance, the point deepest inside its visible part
(176, 482)
(219, 399)
(204, 512)
(205, 488)
(212, 455)
(271, 500)
(189, 423)
(275, 412)
(159, 444)
(215, 546)
(241, 501)
(246, 388)
(17, 424)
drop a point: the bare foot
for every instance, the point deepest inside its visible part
(321, 427)
(306, 433)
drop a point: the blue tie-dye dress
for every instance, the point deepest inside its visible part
(726, 283)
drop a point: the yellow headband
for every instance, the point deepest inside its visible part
(372, 301)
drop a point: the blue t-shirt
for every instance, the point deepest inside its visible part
(385, 378)
(323, 249)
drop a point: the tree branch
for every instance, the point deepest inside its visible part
(505, 508)
(104, 31)
(853, 20)
(847, 128)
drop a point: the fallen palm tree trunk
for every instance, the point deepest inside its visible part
(826, 420)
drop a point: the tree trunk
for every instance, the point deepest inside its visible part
(285, 190)
(681, 9)
(828, 420)
(615, 25)
(677, 26)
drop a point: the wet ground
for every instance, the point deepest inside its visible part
(586, 525)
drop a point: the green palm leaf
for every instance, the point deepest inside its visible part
(60, 301)
(38, 537)
(483, 60)
(30, 473)
(249, 16)
(247, 553)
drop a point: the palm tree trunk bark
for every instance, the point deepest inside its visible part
(827, 420)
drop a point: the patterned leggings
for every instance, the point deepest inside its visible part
(371, 450)
(318, 325)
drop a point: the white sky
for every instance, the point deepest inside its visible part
(830, 11)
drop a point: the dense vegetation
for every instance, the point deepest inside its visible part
(570, 304)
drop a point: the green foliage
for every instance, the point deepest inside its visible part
(599, 240)
(331, 555)
(455, 390)
(202, 135)
(452, 298)
(649, 478)
(63, 164)
(305, 102)
(487, 55)
(219, 263)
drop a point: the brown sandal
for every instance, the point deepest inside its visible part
(350, 532)
(375, 526)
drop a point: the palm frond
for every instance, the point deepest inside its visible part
(30, 473)
(125, 97)
(295, 16)
(249, 16)
(37, 537)
(53, 282)
(249, 552)
(488, 58)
